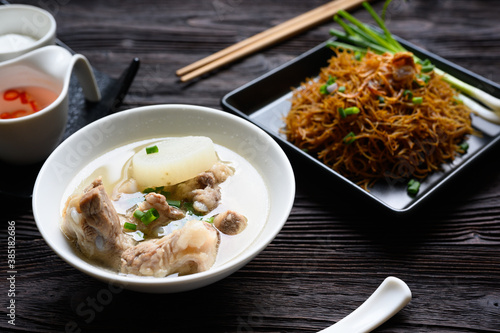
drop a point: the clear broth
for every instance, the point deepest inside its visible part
(244, 192)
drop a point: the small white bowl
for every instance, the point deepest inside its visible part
(24, 28)
(124, 127)
(31, 138)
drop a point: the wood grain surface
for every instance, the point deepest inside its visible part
(333, 252)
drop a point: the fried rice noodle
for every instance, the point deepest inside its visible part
(394, 136)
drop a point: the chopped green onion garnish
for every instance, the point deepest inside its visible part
(417, 100)
(423, 77)
(148, 216)
(351, 110)
(331, 80)
(175, 203)
(408, 93)
(381, 99)
(427, 66)
(464, 146)
(208, 219)
(342, 113)
(358, 55)
(129, 226)
(349, 138)
(413, 187)
(341, 89)
(138, 214)
(151, 150)
(151, 215)
(324, 88)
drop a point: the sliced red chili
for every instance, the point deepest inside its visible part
(24, 97)
(34, 106)
(19, 113)
(10, 95)
(5, 115)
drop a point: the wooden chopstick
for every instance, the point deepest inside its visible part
(264, 39)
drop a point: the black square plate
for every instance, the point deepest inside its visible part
(265, 101)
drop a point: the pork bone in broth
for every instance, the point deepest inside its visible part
(244, 192)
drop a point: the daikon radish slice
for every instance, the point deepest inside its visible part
(177, 159)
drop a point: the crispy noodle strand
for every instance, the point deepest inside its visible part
(392, 136)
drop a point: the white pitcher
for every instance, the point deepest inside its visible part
(32, 138)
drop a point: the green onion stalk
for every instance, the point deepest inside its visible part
(359, 37)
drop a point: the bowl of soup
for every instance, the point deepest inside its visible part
(163, 198)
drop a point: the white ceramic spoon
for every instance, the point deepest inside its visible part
(390, 297)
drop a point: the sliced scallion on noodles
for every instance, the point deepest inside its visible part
(382, 127)
(360, 37)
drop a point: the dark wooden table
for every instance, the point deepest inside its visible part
(332, 253)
